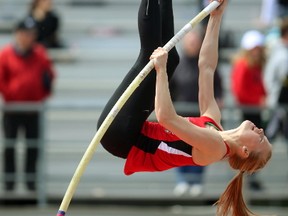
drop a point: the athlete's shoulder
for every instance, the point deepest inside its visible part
(202, 121)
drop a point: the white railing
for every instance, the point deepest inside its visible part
(65, 147)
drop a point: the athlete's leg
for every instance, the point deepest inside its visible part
(126, 126)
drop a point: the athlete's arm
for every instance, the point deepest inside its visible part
(205, 142)
(208, 59)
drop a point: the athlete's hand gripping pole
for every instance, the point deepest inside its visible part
(119, 104)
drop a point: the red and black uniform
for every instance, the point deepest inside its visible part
(147, 146)
(156, 28)
(23, 78)
(157, 149)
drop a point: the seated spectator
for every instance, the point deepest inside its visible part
(47, 21)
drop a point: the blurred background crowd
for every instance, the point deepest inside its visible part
(60, 60)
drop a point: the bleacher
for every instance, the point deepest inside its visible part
(102, 44)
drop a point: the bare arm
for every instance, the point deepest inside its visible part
(208, 60)
(207, 144)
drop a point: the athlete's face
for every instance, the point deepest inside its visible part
(254, 138)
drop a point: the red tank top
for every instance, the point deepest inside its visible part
(157, 149)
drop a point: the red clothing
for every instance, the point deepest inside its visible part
(21, 77)
(158, 149)
(247, 83)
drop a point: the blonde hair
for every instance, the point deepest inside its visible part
(231, 202)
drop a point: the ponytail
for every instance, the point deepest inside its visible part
(231, 202)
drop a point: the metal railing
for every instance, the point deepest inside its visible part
(231, 118)
(40, 108)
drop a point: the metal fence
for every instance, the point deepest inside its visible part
(67, 129)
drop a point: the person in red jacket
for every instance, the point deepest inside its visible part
(248, 83)
(26, 75)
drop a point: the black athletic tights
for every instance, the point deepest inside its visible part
(156, 28)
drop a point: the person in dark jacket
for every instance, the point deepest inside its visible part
(48, 23)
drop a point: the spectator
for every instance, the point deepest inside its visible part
(276, 72)
(26, 75)
(268, 12)
(283, 9)
(272, 11)
(190, 178)
(247, 82)
(48, 23)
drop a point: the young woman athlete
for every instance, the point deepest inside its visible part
(173, 140)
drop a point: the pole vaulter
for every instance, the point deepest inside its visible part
(119, 104)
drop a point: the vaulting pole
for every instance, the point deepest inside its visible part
(119, 104)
